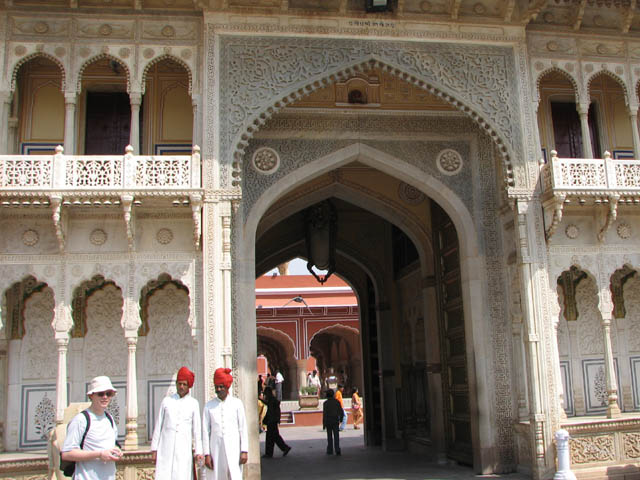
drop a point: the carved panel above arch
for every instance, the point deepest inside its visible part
(264, 74)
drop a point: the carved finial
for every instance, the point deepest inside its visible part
(195, 149)
(554, 154)
(59, 150)
(607, 154)
(128, 150)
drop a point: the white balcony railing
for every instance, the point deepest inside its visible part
(100, 172)
(587, 175)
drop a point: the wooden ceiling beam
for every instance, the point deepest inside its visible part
(509, 8)
(533, 11)
(579, 15)
(628, 19)
(455, 9)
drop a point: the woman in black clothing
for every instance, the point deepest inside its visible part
(271, 420)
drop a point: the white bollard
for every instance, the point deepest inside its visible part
(564, 460)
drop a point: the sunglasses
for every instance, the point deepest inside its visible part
(109, 394)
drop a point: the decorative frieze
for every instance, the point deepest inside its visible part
(592, 449)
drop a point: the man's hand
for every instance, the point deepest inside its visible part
(199, 460)
(110, 455)
(208, 462)
(244, 456)
(154, 456)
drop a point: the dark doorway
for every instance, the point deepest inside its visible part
(108, 123)
(567, 131)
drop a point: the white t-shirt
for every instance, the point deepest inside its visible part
(101, 436)
(279, 378)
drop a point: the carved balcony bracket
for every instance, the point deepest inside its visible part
(59, 217)
(556, 204)
(196, 210)
(611, 215)
(127, 204)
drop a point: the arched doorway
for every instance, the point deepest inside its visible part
(417, 195)
(415, 386)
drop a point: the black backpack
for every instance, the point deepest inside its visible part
(68, 468)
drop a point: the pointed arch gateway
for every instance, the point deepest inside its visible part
(265, 209)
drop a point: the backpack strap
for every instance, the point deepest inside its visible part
(112, 424)
(84, 435)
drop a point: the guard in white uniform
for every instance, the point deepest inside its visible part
(177, 435)
(224, 431)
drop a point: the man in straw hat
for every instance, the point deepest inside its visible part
(91, 436)
(224, 431)
(177, 432)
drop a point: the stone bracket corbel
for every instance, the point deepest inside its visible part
(127, 204)
(59, 220)
(196, 214)
(612, 214)
(557, 204)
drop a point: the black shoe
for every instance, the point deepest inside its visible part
(267, 456)
(338, 453)
(286, 450)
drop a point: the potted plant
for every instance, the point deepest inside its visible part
(309, 397)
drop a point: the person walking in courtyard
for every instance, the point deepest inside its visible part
(279, 382)
(313, 380)
(225, 438)
(332, 414)
(356, 408)
(271, 420)
(178, 432)
(338, 396)
(92, 435)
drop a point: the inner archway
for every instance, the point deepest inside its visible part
(383, 250)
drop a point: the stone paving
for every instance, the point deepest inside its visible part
(308, 460)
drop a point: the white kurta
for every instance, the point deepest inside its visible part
(176, 434)
(224, 436)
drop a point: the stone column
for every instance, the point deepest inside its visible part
(606, 310)
(5, 110)
(555, 311)
(70, 100)
(135, 99)
(131, 438)
(531, 332)
(62, 342)
(583, 112)
(301, 373)
(225, 267)
(196, 138)
(4, 347)
(633, 117)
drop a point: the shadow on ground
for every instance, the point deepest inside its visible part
(308, 461)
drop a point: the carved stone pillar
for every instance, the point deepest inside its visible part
(531, 337)
(4, 346)
(135, 99)
(70, 100)
(301, 373)
(633, 117)
(131, 438)
(5, 109)
(606, 310)
(225, 267)
(62, 342)
(196, 133)
(555, 312)
(583, 112)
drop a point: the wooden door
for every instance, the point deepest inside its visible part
(453, 353)
(108, 123)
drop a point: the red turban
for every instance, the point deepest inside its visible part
(222, 377)
(186, 375)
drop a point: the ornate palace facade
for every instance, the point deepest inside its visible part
(468, 167)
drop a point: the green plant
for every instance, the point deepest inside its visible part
(309, 390)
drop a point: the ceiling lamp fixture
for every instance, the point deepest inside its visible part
(377, 5)
(321, 224)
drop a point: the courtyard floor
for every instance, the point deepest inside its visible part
(307, 460)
